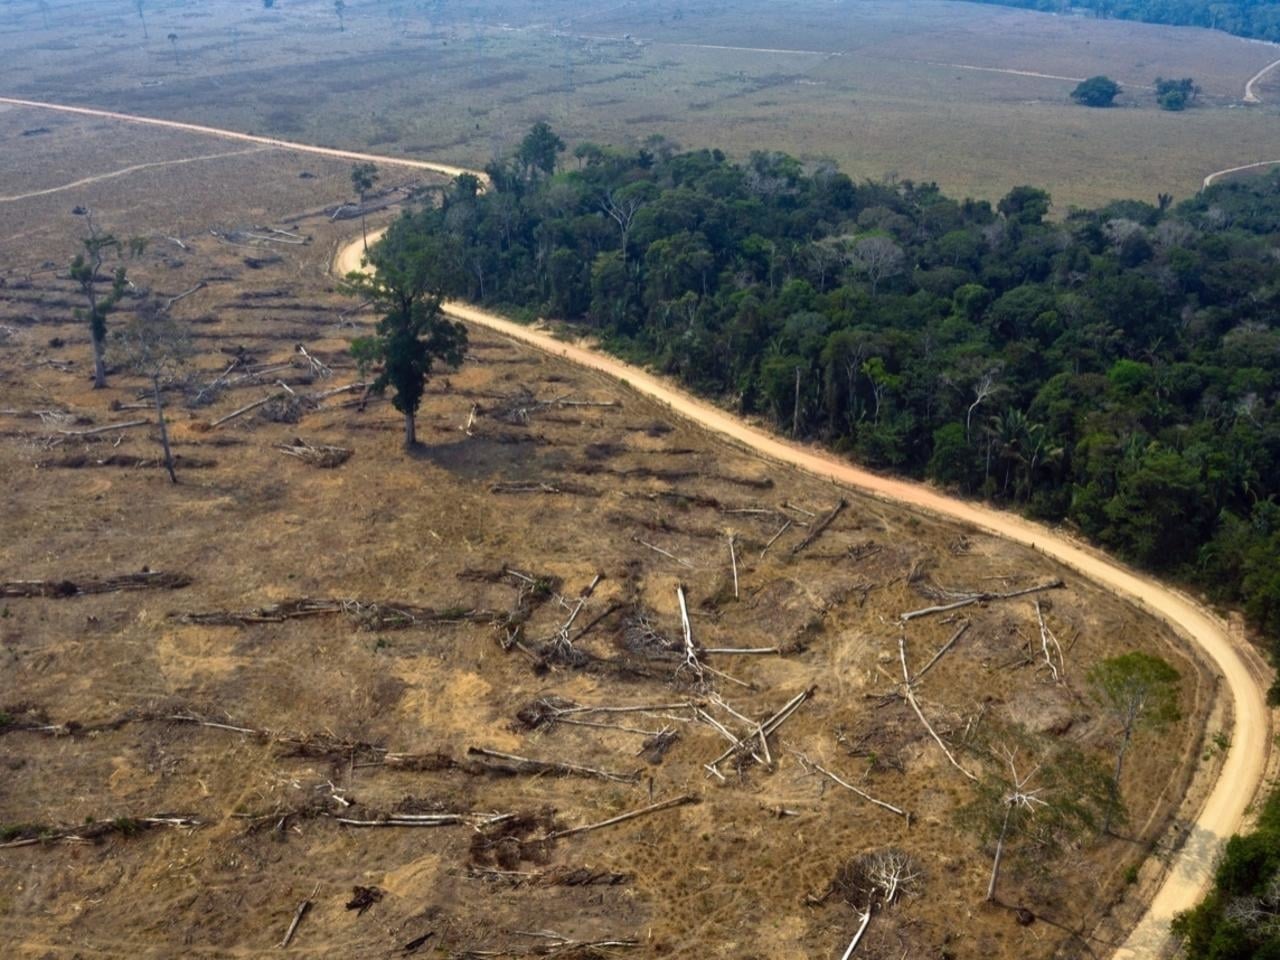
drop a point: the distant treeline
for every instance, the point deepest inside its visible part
(1118, 370)
(1245, 18)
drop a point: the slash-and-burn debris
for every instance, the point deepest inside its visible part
(571, 668)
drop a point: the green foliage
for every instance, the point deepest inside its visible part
(1096, 92)
(1246, 18)
(412, 265)
(1240, 917)
(1139, 688)
(1176, 94)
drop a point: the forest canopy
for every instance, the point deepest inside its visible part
(1117, 369)
(1245, 18)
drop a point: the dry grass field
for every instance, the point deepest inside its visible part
(364, 625)
(915, 89)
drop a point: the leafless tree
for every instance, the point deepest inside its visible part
(982, 391)
(622, 211)
(877, 258)
(156, 346)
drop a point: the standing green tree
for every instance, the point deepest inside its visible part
(173, 42)
(340, 8)
(409, 270)
(363, 177)
(1096, 92)
(156, 346)
(1138, 690)
(84, 271)
(539, 149)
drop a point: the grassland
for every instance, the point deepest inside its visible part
(911, 89)
(90, 684)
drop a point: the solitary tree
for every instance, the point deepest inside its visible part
(539, 149)
(145, 34)
(409, 270)
(84, 271)
(363, 177)
(1138, 690)
(1096, 92)
(156, 346)
(340, 8)
(173, 42)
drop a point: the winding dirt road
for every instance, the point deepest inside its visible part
(1245, 676)
(1242, 671)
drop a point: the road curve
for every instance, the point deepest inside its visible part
(1242, 773)
(1250, 94)
(1208, 181)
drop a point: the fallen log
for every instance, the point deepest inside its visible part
(622, 818)
(820, 527)
(298, 914)
(105, 429)
(146, 580)
(518, 764)
(1054, 584)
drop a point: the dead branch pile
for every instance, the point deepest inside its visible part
(79, 461)
(568, 489)
(370, 614)
(322, 456)
(509, 763)
(519, 406)
(146, 580)
(27, 835)
(555, 877)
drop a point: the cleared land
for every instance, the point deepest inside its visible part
(915, 89)
(562, 492)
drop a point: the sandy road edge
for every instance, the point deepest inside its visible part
(1245, 674)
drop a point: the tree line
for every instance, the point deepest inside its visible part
(1116, 370)
(1245, 18)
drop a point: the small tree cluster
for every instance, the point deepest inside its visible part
(1097, 91)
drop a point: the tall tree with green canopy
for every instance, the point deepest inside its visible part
(409, 270)
(539, 149)
(84, 271)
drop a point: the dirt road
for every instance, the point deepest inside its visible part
(1217, 174)
(441, 168)
(1244, 674)
(1251, 94)
(1245, 677)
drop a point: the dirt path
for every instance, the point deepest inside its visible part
(441, 168)
(1241, 669)
(1250, 94)
(125, 171)
(1208, 181)
(1246, 677)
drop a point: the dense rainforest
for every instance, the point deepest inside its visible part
(1116, 369)
(1259, 19)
